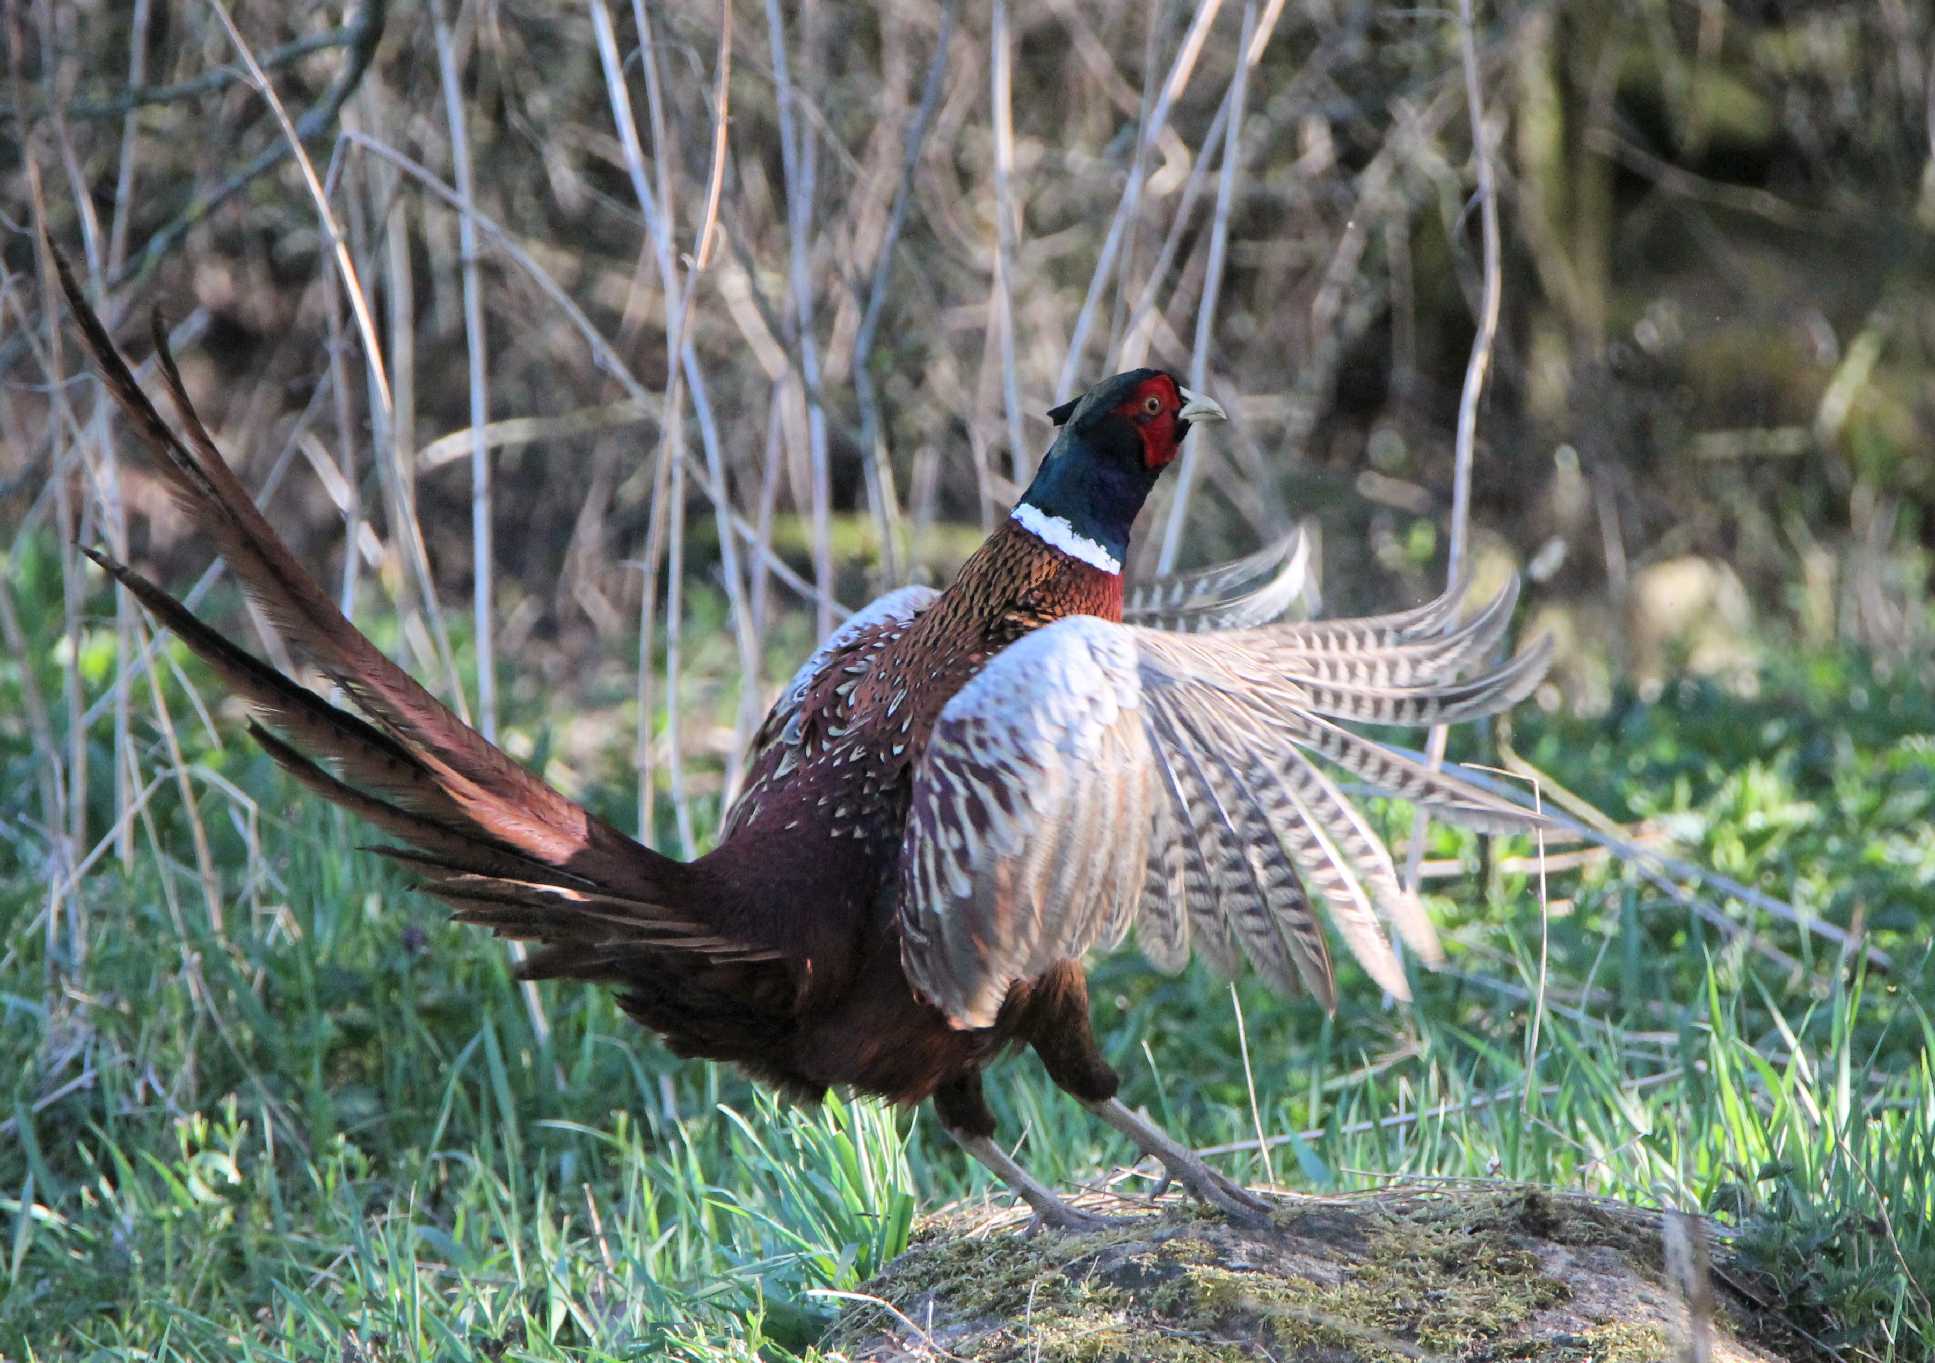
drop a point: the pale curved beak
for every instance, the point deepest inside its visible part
(1196, 407)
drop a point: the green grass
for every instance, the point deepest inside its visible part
(330, 1131)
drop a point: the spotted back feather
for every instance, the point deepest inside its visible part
(850, 651)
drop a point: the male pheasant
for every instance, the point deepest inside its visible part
(960, 794)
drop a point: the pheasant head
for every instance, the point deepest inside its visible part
(1115, 441)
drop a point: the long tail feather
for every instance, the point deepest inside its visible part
(457, 848)
(525, 860)
(370, 758)
(492, 790)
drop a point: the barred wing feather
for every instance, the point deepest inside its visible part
(1249, 591)
(1097, 776)
(1024, 843)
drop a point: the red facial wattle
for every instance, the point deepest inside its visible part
(1152, 411)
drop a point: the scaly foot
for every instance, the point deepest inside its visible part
(1051, 1210)
(1183, 1165)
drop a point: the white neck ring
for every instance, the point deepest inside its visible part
(1057, 533)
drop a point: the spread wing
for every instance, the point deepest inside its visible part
(1253, 590)
(1248, 591)
(1097, 776)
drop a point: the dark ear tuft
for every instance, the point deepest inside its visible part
(1060, 415)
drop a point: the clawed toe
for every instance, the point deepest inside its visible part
(1213, 1189)
(1237, 1193)
(1228, 1197)
(1064, 1217)
(1184, 1166)
(1052, 1212)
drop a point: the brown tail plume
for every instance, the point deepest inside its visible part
(500, 845)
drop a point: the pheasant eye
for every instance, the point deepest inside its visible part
(1152, 404)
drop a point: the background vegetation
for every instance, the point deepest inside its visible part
(262, 1103)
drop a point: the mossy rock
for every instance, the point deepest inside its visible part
(1457, 1271)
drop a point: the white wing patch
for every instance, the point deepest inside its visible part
(1019, 849)
(1093, 775)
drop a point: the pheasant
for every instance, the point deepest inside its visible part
(959, 795)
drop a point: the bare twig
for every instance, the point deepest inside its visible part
(1219, 235)
(127, 761)
(362, 34)
(403, 511)
(1006, 227)
(679, 297)
(1479, 364)
(1760, 203)
(745, 628)
(873, 448)
(483, 615)
(1249, 1084)
(796, 166)
(1173, 85)
(601, 350)
(73, 784)
(525, 430)
(668, 484)
(1476, 368)
(136, 95)
(1545, 940)
(927, 1340)
(478, 373)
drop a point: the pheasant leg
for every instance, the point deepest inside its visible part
(965, 1115)
(1059, 1030)
(1182, 1164)
(1050, 1208)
